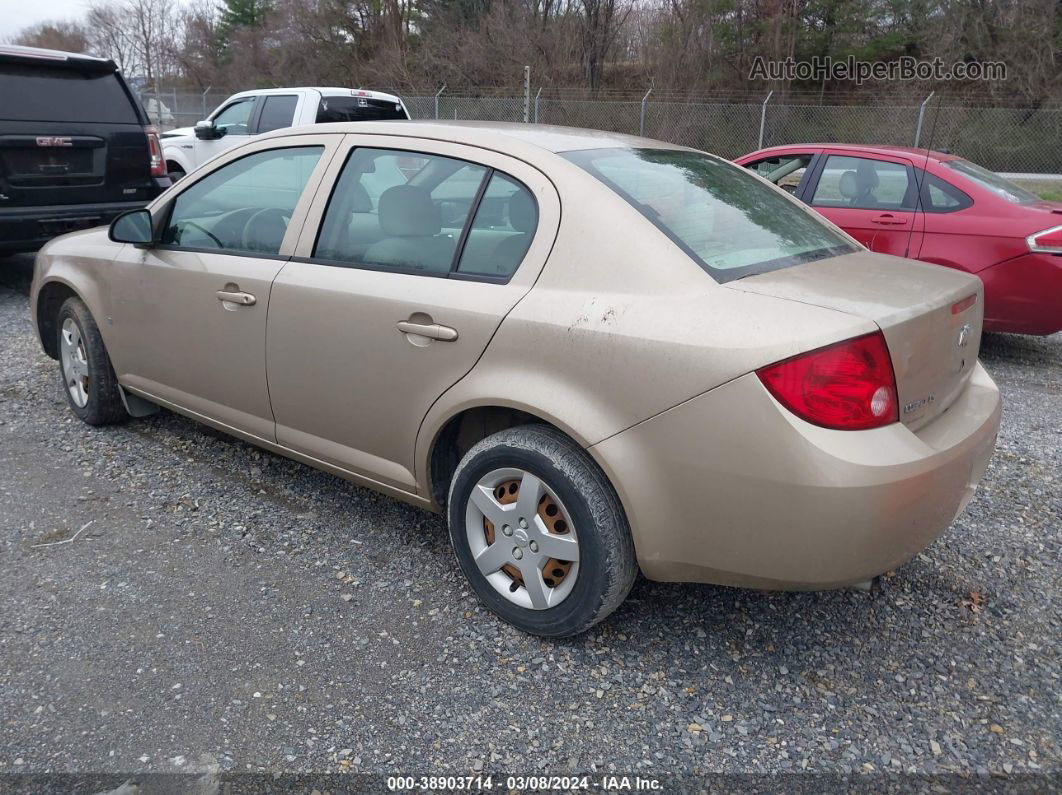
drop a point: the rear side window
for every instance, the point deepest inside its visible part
(728, 221)
(335, 109)
(277, 112)
(402, 211)
(501, 231)
(939, 196)
(34, 92)
(863, 183)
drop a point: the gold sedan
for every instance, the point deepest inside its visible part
(596, 354)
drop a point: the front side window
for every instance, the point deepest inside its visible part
(245, 205)
(234, 119)
(724, 218)
(277, 112)
(785, 171)
(863, 183)
(396, 210)
(990, 180)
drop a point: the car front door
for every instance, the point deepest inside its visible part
(189, 314)
(874, 199)
(233, 122)
(402, 275)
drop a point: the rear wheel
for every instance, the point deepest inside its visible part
(539, 532)
(89, 382)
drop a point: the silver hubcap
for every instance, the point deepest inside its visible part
(74, 363)
(521, 538)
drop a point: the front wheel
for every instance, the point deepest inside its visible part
(89, 382)
(539, 532)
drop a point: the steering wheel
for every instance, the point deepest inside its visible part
(205, 231)
(264, 230)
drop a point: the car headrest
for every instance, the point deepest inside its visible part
(359, 198)
(408, 211)
(849, 185)
(522, 212)
(867, 176)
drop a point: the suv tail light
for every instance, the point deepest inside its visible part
(158, 162)
(1047, 242)
(847, 386)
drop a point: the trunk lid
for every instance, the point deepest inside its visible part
(930, 323)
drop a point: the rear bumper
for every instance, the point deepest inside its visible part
(1024, 295)
(29, 228)
(730, 488)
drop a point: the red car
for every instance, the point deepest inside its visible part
(937, 208)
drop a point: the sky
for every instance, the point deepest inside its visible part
(18, 14)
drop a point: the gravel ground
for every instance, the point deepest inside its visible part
(224, 608)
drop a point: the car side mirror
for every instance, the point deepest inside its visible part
(132, 227)
(206, 131)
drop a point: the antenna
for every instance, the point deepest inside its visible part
(921, 175)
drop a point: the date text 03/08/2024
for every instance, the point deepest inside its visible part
(534, 783)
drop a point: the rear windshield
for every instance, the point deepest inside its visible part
(34, 92)
(723, 217)
(992, 181)
(358, 109)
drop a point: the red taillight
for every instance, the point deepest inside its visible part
(848, 386)
(1047, 242)
(158, 163)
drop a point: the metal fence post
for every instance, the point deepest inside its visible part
(537, 96)
(921, 116)
(527, 94)
(207, 91)
(641, 117)
(763, 118)
(437, 99)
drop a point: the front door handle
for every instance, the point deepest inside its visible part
(235, 297)
(432, 331)
(889, 220)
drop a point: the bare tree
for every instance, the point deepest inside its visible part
(66, 36)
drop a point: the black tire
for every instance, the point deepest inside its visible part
(175, 174)
(607, 565)
(104, 405)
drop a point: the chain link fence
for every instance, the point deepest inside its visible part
(1023, 140)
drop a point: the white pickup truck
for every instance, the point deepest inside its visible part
(251, 113)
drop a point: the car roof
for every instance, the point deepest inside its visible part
(18, 53)
(872, 149)
(492, 135)
(327, 91)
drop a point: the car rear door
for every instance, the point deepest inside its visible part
(370, 322)
(872, 197)
(70, 133)
(189, 314)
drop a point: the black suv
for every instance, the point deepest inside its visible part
(76, 148)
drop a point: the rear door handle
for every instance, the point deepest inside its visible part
(889, 220)
(432, 331)
(243, 299)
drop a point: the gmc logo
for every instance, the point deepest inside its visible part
(53, 140)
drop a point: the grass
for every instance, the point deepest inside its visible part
(1051, 191)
